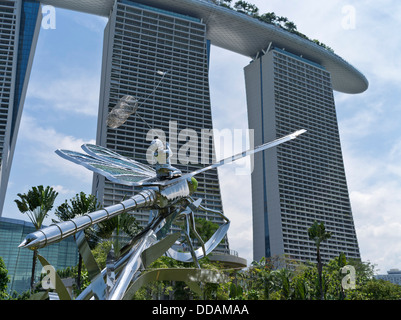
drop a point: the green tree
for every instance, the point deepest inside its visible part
(285, 276)
(342, 262)
(378, 289)
(4, 279)
(261, 275)
(77, 206)
(290, 26)
(246, 7)
(156, 289)
(36, 203)
(117, 232)
(317, 232)
(301, 287)
(225, 3)
(119, 229)
(100, 252)
(282, 21)
(275, 279)
(118, 225)
(204, 228)
(269, 17)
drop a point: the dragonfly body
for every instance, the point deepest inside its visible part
(160, 193)
(157, 197)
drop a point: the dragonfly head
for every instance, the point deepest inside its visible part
(192, 184)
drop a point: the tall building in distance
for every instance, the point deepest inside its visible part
(300, 182)
(393, 275)
(19, 29)
(289, 86)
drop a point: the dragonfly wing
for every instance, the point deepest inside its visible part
(243, 154)
(113, 157)
(111, 171)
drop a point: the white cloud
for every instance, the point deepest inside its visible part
(74, 92)
(229, 110)
(237, 204)
(227, 89)
(375, 193)
(36, 163)
(41, 143)
(379, 244)
(95, 23)
(359, 123)
(371, 46)
(63, 190)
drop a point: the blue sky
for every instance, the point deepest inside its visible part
(62, 102)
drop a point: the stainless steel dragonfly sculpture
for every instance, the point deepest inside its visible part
(164, 190)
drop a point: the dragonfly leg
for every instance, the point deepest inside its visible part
(189, 240)
(192, 221)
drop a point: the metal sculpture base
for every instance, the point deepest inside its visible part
(123, 277)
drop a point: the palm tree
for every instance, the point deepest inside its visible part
(282, 19)
(240, 6)
(118, 228)
(269, 17)
(290, 26)
(317, 233)
(284, 278)
(36, 204)
(245, 7)
(225, 3)
(79, 205)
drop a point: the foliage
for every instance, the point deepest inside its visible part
(245, 7)
(269, 17)
(292, 280)
(36, 203)
(377, 289)
(73, 272)
(100, 252)
(101, 238)
(4, 279)
(273, 278)
(160, 289)
(299, 281)
(78, 205)
(205, 228)
(178, 290)
(124, 223)
(20, 296)
(317, 232)
(117, 231)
